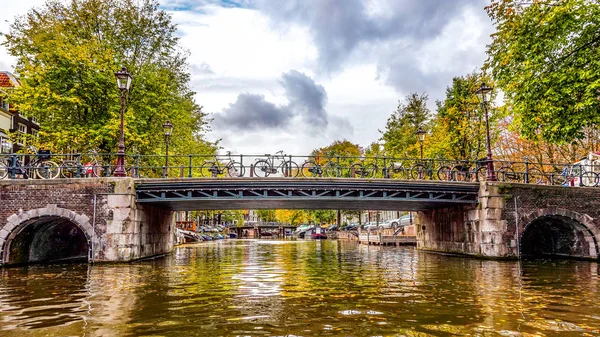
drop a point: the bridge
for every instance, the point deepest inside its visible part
(124, 219)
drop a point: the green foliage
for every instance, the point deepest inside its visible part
(458, 129)
(341, 153)
(546, 59)
(320, 216)
(401, 127)
(267, 215)
(67, 54)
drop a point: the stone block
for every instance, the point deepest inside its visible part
(491, 214)
(473, 215)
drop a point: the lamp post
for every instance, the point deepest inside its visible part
(482, 93)
(168, 130)
(421, 138)
(123, 82)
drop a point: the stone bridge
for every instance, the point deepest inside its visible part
(124, 219)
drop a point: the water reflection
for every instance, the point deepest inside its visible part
(302, 288)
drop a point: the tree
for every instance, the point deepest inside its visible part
(67, 54)
(291, 216)
(458, 128)
(400, 130)
(266, 215)
(544, 56)
(341, 152)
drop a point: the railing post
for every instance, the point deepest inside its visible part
(181, 170)
(251, 170)
(337, 168)
(384, 172)
(242, 163)
(13, 166)
(190, 166)
(164, 170)
(581, 175)
(526, 171)
(136, 166)
(79, 167)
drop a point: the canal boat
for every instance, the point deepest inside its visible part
(318, 236)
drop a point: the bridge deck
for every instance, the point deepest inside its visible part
(303, 193)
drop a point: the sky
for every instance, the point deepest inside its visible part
(295, 75)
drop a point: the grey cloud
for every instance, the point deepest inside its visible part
(306, 98)
(251, 111)
(306, 104)
(201, 69)
(338, 28)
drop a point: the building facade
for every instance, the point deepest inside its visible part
(15, 129)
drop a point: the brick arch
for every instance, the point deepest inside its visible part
(17, 222)
(584, 223)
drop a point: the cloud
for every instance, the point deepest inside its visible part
(306, 98)
(251, 111)
(305, 108)
(397, 35)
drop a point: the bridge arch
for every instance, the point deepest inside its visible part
(555, 232)
(45, 234)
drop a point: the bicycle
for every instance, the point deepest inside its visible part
(311, 168)
(463, 172)
(41, 166)
(232, 168)
(572, 174)
(422, 170)
(265, 167)
(363, 170)
(507, 173)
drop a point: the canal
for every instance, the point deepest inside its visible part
(302, 288)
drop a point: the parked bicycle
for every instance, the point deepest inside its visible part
(574, 175)
(312, 168)
(363, 170)
(422, 170)
(41, 166)
(265, 167)
(214, 168)
(464, 171)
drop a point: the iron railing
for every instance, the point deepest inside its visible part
(92, 164)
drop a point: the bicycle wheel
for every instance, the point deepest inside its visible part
(209, 169)
(445, 173)
(535, 176)
(481, 174)
(311, 169)
(68, 169)
(557, 179)
(589, 179)
(262, 169)
(507, 174)
(235, 169)
(418, 172)
(369, 171)
(395, 171)
(46, 170)
(3, 171)
(356, 171)
(332, 171)
(290, 169)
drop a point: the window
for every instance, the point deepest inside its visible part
(5, 104)
(34, 133)
(22, 130)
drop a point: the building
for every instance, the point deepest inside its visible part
(13, 126)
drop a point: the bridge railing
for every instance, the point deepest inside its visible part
(80, 165)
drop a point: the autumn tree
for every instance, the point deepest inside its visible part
(399, 135)
(544, 55)
(67, 53)
(291, 216)
(458, 130)
(341, 153)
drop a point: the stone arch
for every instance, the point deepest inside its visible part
(40, 219)
(559, 232)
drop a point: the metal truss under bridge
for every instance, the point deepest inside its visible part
(300, 193)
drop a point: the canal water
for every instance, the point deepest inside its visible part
(302, 288)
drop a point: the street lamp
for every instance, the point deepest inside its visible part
(168, 130)
(123, 82)
(421, 138)
(483, 93)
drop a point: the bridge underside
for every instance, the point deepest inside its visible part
(348, 194)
